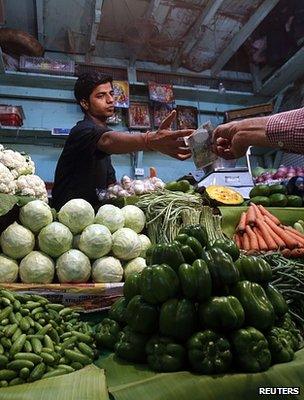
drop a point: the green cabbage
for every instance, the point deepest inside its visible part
(111, 217)
(73, 267)
(145, 244)
(107, 269)
(126, 244)
(136, 265)
(95, 241)
(17, 241)
(35, 215)
(8, 269)
(55, 239)
(134, 218)
(37, 267)
(76, 214)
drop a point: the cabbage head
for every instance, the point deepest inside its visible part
(35, 215)
(134, 218)
(76, 214)
(136, 265)
(17, 241)
(95, 241)
(145, 244)
(111, 217)
(126, 244)
(36, 267)
(55, 239)
(73, 267)
(107, 269)
(8, 269)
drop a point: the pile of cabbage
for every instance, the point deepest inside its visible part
(77, 247)
(17, 175)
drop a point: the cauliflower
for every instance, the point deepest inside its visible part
(31, 185)
(7, 183)
(17, 163)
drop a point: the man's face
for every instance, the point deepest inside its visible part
(101, 101)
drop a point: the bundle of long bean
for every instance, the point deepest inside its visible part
(167, 211)
(288, 277)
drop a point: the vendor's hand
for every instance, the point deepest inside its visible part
(232, 140)
(169, 142)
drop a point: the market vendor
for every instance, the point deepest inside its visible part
(284, 131)
(84, 167)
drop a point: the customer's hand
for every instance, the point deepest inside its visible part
(232, 140)
(169, 142)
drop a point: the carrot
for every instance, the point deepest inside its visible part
(253, 241)
(271, 244)
(280, 242)
(269, 215)
(246, 243)
(251, 219)
(258, 213)
(242, 224)
(288, 240)
(262, 244)
(297, 233)
(296, 237)
(237, 240)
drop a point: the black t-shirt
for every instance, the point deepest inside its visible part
(82, 169)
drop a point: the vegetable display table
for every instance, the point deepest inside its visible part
(136, 382)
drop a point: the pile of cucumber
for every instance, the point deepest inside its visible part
(39, 339)
(274, 196)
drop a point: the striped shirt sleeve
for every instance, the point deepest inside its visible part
(286, 130)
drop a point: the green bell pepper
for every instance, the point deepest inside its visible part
(259, 311)
(106, 333)
(118, 311)
(197, 231)
(177, 319)
(166, 253)
(132, 286)
(209, 353)
(287, 323)
(190, 241)
(221, 267)
(254, 269)
(251, 351)
(131, 345)
(221, 313)
(280, 345)
(195, 280)
(141, 316)
(228, 246)
(277, 300)
(158, 283)
(165, 355)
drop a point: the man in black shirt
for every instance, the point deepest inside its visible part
(84, 166)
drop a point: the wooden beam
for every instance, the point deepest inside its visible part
(243, 35)
(197, 30)
(256, 77)
(95, 24)
(2, 66)
(288, 73)
(40, 20)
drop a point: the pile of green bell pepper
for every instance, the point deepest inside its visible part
(195, 281)
(280, 345)
(132, 286)
(158, 283)
(142, 317)
(277, 300)
(254, 269)
(197, 231)
(190, 247)
(118, 311)
(131, 345)
(250, 350)
(164, 354)
(209, 353)
(288, 324)
(228, 246)
(221, 313)
(107, 333)
(166, 253)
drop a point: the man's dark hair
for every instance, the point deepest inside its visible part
(87, 82)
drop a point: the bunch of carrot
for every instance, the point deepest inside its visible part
(260, 231)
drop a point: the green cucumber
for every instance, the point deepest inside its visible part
(19, 364)
(7, 374)
(55, 372)
(37, 372)
(7, 294)
(10, 330)
(47, 358)
(85, 349)
(12, 318)
(7, 343)
(36, 344)
(24, 324)
(28, 347)
(17, 333)
(5, 312)
(3, 361)
(16, 381)
(17, 345)
(66, 367)
(34, 358)
(76, 365)
(55, 307)
(83, 337)
(24, 373)
(75, 356)
(3, 383)
(48, 342)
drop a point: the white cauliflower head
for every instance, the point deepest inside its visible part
(31, 185)
(7, 183)
(17, 163)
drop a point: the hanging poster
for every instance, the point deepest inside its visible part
(139, 116)
(160, 112)
(121, 94)
(160, 92)
(186, 117)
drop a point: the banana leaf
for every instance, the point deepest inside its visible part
(86, 384)
(231, 216)
(136, 382)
